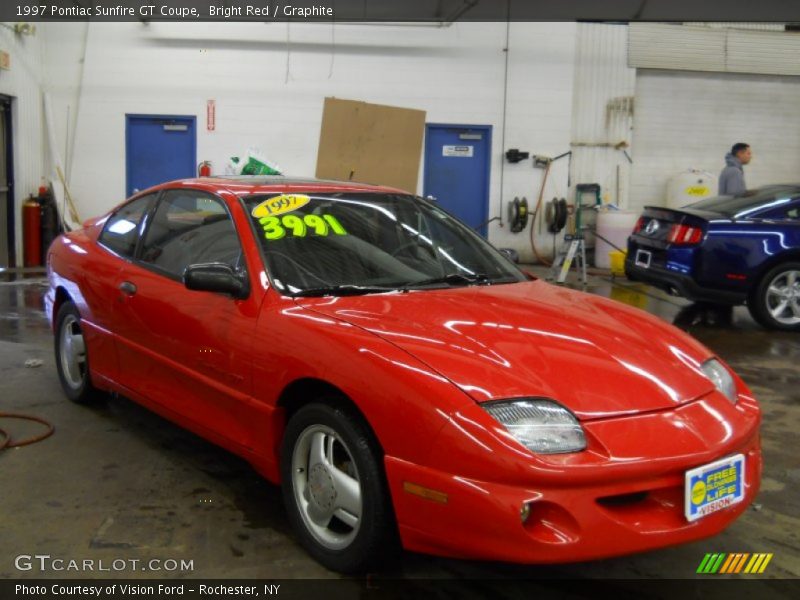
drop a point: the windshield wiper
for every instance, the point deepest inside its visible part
(452, 279)
(345, 290)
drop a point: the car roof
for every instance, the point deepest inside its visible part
(749, 203)
(256, 184)
(777, 187)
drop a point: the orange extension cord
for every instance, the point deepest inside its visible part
(5, 438)
(540, 258)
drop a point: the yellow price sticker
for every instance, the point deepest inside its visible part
(276, 228)
(279, 205)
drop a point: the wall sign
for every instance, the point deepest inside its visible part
(211, 115)
(460, 151)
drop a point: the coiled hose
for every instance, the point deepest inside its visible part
(5, 438)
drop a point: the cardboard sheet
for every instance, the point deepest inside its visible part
(370, 143)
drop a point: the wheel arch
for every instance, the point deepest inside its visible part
(792, 255)
(303, 391)
(61, 297)
(310, 390)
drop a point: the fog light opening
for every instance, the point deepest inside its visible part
(549, 523)
(525, 512)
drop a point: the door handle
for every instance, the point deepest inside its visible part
(127, 288)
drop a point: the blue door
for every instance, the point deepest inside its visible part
(158, 148)
(457, 161)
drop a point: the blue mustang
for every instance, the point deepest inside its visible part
(726, 250)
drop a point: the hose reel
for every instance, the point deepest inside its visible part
(556, 213)
(518, 217)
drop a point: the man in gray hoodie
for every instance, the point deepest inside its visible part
(731, 180)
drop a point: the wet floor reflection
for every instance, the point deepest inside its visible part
(705, 315)
(22, 310)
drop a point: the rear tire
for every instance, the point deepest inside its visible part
(72, 359)
(775, 301)
(335, 490)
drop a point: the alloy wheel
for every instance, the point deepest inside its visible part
(783, 297)
(326, 487)
(72, 352)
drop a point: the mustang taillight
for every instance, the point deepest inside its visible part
(639, 224)
(683, 235)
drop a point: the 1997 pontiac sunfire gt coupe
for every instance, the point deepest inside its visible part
(399, 377)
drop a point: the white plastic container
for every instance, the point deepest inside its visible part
(615, 226)
(690, 186)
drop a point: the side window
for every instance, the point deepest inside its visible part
(790, 211)
(122, 228)
(190, 227)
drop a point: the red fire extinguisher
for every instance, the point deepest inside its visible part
(204, 169)
(32, 233)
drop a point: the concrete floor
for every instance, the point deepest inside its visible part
(116, 481)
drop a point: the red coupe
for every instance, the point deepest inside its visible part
(399, 377)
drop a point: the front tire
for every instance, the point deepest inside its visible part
(72, 359)
(334, 488)
(775, 301)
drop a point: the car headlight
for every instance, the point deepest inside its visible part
(542, 426)
(721, 378)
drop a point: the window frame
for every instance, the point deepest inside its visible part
(793, 204)
(146, 226)
(142, 223)
(242, 202)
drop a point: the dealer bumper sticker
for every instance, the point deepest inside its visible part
(714, 486)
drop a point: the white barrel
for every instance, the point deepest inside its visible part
(615, 226)
(690, 186)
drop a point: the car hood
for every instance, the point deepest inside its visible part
(598, 357)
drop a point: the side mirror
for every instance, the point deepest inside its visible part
(510, 254)
(216, 277)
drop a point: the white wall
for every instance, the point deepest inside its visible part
(23, 83)
(690, 120)
(269, 92)
(64, 48)
(540, 83)
(602, 80)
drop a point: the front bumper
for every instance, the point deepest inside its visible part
(575, 521)
(683, 285)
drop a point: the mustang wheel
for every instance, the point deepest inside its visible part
(72, 361)
(334, 488)
(775, 301)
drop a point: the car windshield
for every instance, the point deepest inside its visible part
(359, 243)
(748, 203)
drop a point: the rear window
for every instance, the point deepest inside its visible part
(746, 204)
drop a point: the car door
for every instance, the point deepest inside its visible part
(187, 351)
(117, 242)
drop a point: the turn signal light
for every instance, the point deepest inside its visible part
(423, 492)
(683, 235)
